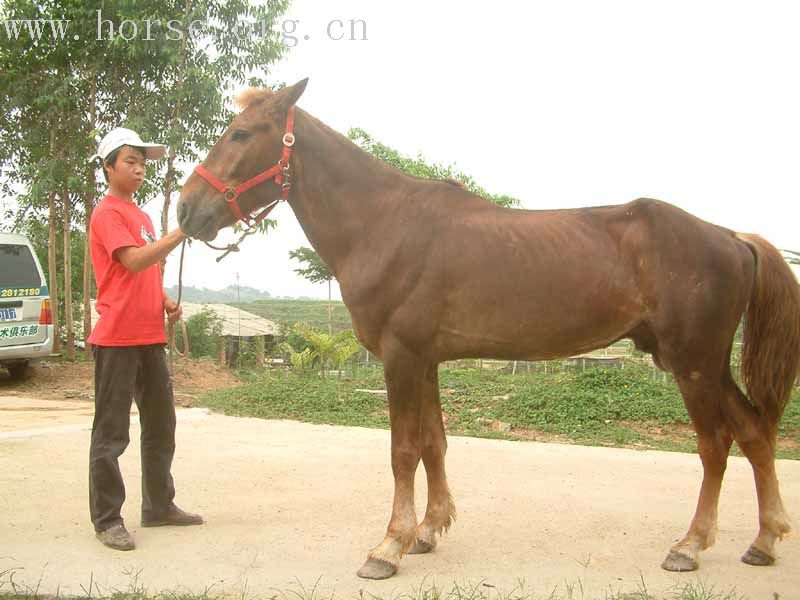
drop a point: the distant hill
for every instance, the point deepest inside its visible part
(227, 295)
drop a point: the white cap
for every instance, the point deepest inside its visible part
(120, 136)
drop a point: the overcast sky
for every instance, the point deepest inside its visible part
(560, 104)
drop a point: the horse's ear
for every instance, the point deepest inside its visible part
(288, 96)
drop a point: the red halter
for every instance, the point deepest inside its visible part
(279, 172)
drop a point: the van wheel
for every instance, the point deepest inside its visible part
(19, 371)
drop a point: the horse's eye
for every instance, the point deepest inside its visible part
(239, 134)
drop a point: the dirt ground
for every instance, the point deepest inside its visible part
(290, 504)
(65, 380)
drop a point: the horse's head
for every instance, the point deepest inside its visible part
(252, 143)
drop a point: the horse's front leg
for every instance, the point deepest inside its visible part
(405, 382)
(441, 511)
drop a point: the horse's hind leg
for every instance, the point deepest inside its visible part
(757, 442)
(703, 398)
(441, 510)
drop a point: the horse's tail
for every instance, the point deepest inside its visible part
(771, 349)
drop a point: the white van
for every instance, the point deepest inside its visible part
(26, 321)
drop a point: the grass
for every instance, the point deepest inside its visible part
(607, 407)
(482, 590)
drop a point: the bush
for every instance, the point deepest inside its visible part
(204, 330)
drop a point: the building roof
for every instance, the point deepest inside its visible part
(235, 322)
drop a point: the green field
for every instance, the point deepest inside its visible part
(289, 312)
(607, 407)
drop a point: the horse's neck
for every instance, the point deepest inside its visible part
(339, 191)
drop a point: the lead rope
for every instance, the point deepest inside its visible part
(253, 228)
(173, 347)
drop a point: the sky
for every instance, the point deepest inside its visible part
(559, 104)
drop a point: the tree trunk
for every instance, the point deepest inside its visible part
(88, 205)
(167, 199)
(164, 227)
(70, 350)
(52, 251)
(170, 178)
(330, 310)
(174, 120)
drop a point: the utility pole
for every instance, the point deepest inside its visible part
(239, 319)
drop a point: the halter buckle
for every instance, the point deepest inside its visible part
(229, 194)
(288, 140)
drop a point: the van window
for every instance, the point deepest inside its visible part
(17, 267)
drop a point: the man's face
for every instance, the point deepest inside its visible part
(127, 173)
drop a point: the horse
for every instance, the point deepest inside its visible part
(431, 272)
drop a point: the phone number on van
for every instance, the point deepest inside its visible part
(22, 292)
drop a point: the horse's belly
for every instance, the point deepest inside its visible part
(551, 324)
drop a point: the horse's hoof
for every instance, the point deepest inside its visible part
(422, 547)
(377, 569)
(757, 558)
(679, 562)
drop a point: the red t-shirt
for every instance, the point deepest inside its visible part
(130, 305)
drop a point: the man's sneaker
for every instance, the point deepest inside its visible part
(174, 516)
(116, 537)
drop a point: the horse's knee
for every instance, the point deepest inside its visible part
(405, 454)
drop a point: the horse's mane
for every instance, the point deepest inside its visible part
(455, 182)
(252, 95)
(255, 95)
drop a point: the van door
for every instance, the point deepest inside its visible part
(22, 291)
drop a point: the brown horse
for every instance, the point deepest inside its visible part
(430, 272)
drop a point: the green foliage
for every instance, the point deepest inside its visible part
(316, 270)
(204, 330)
(304, 360)
(597, 407)
(583, 402)
(310, 347)
(279, 396)
(419, 167)
(59, 94)
(246, 355)
(300, 361)
(345, 347)
(288, 312)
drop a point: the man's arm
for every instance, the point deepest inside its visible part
(136, 259)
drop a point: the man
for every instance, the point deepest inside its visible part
(129, 342)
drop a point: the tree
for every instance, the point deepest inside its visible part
(419, 167)
(204, 331)
(316, 272)
(64, 86)
(345, 346)
(320, 348)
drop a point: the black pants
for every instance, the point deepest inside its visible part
(122, 373)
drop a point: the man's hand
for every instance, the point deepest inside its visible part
(173, 310)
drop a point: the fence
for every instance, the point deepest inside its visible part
(616, 356)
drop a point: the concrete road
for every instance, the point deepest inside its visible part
(288, 504)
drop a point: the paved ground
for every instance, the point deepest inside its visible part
(288, 502)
